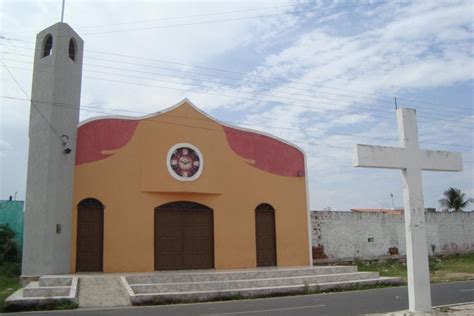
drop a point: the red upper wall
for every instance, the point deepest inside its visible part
(104, 134)
(269, 154)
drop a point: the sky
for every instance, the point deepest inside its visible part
(320, 74)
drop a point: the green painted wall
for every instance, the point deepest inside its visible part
(11, 213)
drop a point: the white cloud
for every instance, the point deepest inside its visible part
(4, 148)
(282, 67)
(352, 119)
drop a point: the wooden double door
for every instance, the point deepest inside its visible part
(184, 236)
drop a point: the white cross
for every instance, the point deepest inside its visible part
(411, 160)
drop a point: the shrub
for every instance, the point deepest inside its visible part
(9, 250)
(11, 269)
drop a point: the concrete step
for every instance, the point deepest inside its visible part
(249, 283)
(179, 286)
(55, 281)
(191, 296)
(35, 290)
(44, 292)
(245, 274)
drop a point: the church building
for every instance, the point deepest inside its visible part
(172, 190)
(179, 190)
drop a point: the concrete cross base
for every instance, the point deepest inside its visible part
(456, 310)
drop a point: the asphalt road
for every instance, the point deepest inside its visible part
(343, 303)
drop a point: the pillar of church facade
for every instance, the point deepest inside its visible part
(54, 116)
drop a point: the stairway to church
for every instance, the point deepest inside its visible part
(46, 291)
(108, 290)
(179, 286)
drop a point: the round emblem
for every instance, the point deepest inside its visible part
(184, 162)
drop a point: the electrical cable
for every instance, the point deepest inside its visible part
(353, 104)
(102, 111)
(33, 103)
(235, 19)
(245, 74)
(165, 19)
(255, 99)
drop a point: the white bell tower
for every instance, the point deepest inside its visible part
(54, 116)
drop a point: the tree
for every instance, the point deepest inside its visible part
(454, 200)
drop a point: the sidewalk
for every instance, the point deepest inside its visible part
(455, 309)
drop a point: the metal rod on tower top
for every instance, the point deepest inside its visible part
(62, 12)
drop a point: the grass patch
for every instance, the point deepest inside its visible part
(442, 269)
(445, 309)
(9, 282)
(392, 268)
(452, 268)
(46, 306)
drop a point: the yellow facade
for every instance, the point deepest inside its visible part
(134, 179)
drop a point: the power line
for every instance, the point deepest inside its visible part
(235, 19)
(219, 13)
(238, 18)
(208, 129)
(232, 78)
(348, 103)
(168, 18)
(286, 92)
(254, 76)
(193, 73)
(247, 98)
(191, 16)
(220, 131)
(365, 106)
(258, 76)
(101, 111)
(32, 103)
(71, 106)
(259, 100)
(215, 130)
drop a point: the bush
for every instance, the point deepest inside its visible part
(9, 250)
(11, 269)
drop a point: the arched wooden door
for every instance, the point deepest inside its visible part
(265, 235)
(184, 236)
(90, 236)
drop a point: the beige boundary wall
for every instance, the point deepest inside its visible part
(348, 235)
